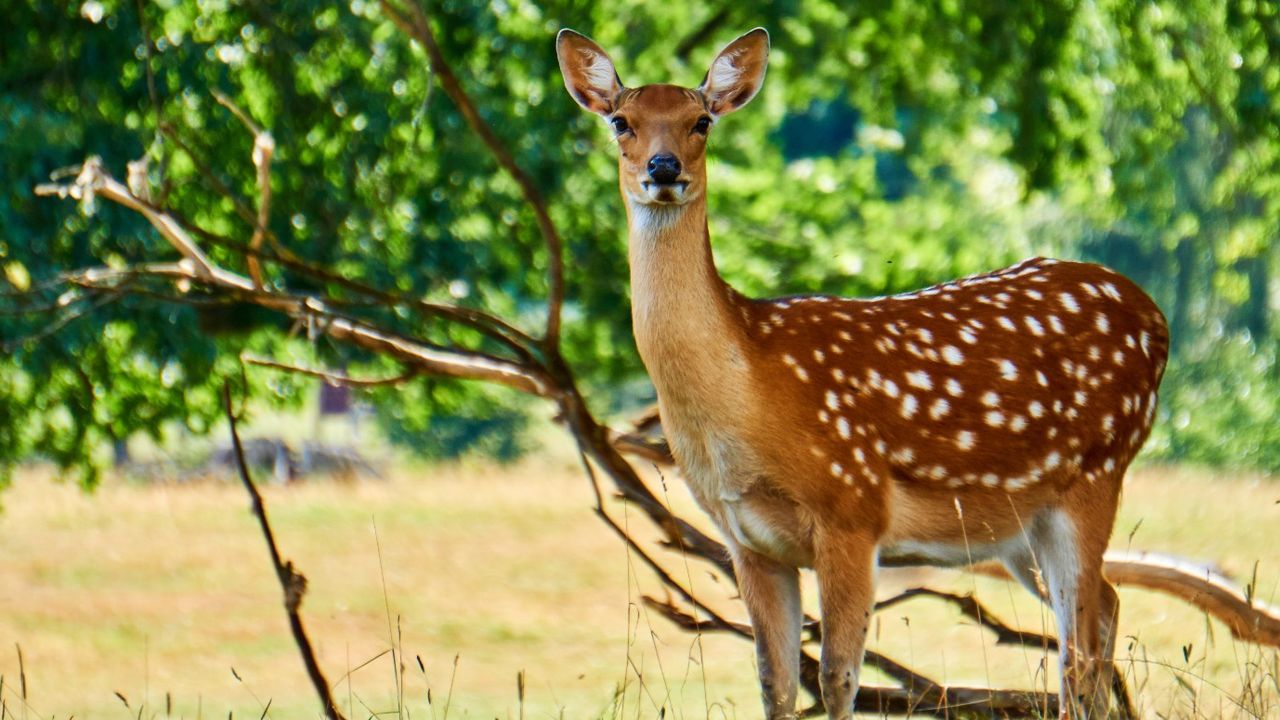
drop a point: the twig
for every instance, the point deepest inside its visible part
(330, 378)
(149, 49)
(419, 28)
(292, 582)
(264, 146)
(974, 610)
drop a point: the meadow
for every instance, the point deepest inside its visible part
(157, 601)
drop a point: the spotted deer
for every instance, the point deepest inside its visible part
(987, 418)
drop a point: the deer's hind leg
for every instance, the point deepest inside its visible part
(1064, 552)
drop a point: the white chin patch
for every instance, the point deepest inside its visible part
(653, 192)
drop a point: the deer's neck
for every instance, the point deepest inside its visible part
(688, 322)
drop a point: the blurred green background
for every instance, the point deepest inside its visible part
(896, 143)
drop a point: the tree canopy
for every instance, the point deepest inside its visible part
(895, 144)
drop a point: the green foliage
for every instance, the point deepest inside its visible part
(896, 143)
(1221, 405)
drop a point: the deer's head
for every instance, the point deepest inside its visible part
(662, 129)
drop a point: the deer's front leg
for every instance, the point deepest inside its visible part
(845, 562)
(771, 592)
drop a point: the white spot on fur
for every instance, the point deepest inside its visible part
(1008, 370)
(842, 427)
(965, 440)
(1034, 326)
(990, 399)
(891, 388)
(953, 388)
(952, 355)
(939, 408)
(1017, 423)
(909, 406)
(1035, 409)
(1006, 323)
(994, 418)
(1102, 323)
(1069, 302)
(920, 379)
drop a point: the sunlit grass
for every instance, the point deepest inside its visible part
(161, 590)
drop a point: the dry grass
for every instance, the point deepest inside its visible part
(158, 592)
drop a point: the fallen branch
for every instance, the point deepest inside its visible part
(292, 582)
(920, 695)
(1247, 618)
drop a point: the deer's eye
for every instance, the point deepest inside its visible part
(703, 125)
(619, 124)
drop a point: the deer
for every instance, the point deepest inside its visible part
(989, 418)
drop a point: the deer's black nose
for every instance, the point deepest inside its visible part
(664, 168)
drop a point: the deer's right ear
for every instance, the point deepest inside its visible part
(588, 72)
(737, 73)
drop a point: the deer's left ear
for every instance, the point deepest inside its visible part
(737, 73)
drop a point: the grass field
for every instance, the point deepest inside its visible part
(163, 595)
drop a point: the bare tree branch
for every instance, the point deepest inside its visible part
(93, 181)
(415, 23)
(292, 582)
(195, 267)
